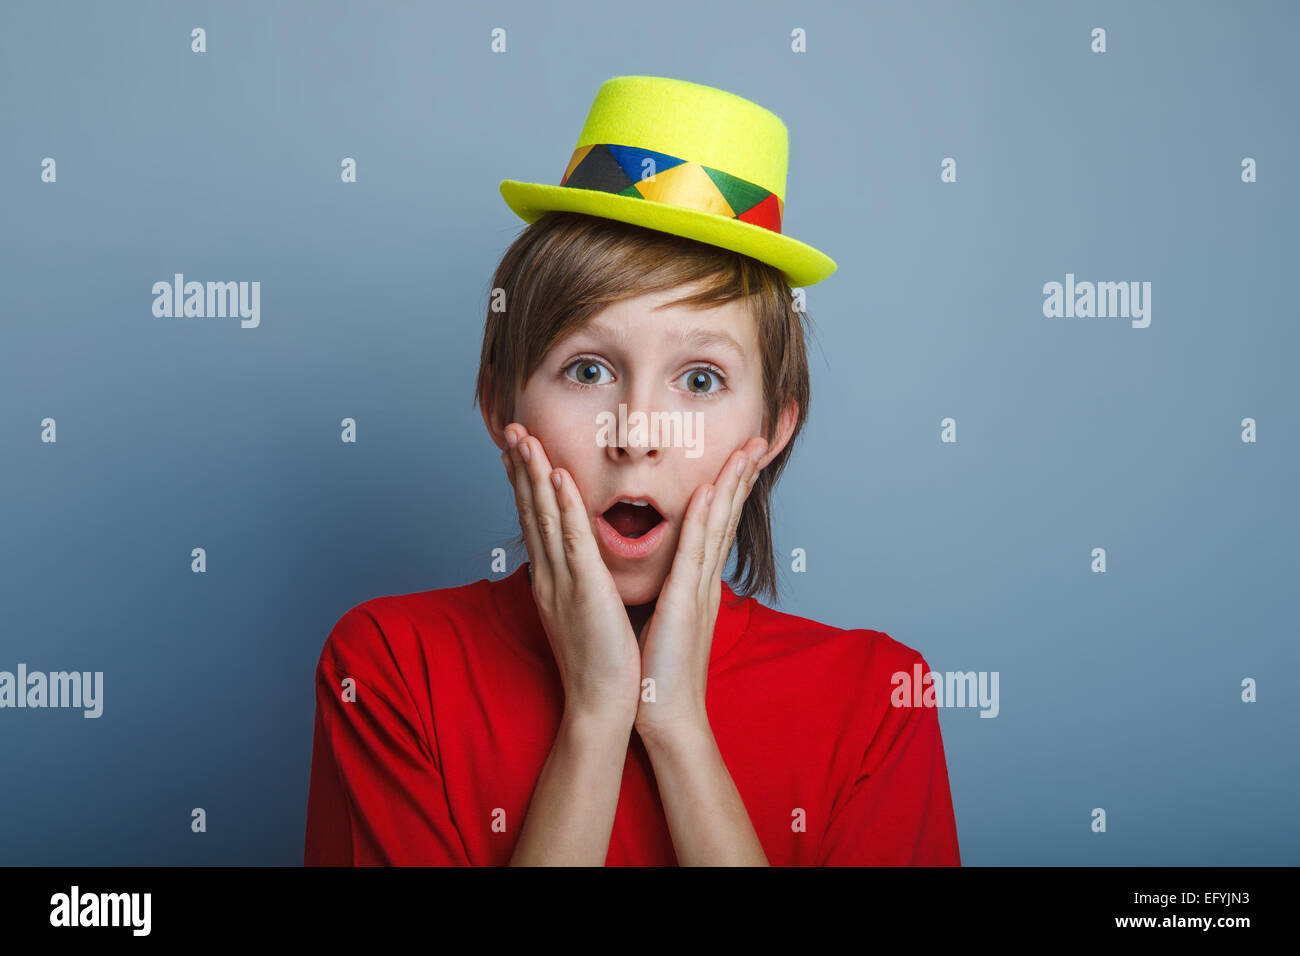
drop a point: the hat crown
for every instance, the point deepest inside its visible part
(685, 159)
(697, 123)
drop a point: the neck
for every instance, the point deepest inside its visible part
(638, 615)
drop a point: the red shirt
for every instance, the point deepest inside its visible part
(458, 700)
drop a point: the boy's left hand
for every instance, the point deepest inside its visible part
(679, 635)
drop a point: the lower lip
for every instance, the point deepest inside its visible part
(622, 547)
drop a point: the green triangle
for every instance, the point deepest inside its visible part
(740, 195)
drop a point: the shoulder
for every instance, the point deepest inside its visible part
(863, 649)
(846, 674)
(384, 632)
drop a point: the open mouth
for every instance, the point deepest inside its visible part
(632, 521)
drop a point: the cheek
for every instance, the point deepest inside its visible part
(731, 426)
(564, 427)
(575, 451)
(564, 418)
(722, 437)
(702, 471)
(568, 449)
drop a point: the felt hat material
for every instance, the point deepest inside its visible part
(686, 159)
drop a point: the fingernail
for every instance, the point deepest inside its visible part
(740, 467)
(759, 452)
(512, 439)
(555, 479)
(523, 450)
(708, 498)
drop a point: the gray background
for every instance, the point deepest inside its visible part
(1118, 690)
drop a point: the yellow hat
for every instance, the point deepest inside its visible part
(686, 159)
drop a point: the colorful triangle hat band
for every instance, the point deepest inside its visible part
(685, 159)
(649, 174)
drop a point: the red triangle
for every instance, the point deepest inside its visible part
(766, 214)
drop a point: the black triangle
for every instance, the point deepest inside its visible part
(599, 170)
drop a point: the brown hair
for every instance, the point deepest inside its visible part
(566, 267)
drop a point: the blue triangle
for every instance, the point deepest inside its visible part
(630, 158)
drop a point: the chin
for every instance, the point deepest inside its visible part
(638, 587)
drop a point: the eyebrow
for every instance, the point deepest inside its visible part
(698, 338)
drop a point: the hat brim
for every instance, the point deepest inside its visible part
(801, 264)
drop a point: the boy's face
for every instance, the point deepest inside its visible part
(711, 393)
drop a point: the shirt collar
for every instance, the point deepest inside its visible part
(518, 611)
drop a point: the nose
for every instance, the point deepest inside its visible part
(638, 435)
(634, 452)
(637, 438)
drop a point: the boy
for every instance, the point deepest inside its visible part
(613, 701)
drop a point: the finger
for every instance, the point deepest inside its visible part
(724, 513)
(688, 562)
(580, 549)
(716, 515)
(524, 504)
(758, 449)
(738, 497)
(546, 511)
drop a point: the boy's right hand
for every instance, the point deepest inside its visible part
(576, 597)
